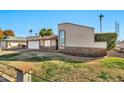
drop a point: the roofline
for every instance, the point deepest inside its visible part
(14, 40)
(76, 25)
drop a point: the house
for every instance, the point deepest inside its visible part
(13, 42)
(46, 42)
(120, 45)
(79, 40)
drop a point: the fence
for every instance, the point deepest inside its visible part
(16, 75)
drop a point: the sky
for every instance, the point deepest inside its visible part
(21, 21)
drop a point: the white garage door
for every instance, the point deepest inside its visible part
(33, 44)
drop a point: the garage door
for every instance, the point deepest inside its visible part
(33, 44)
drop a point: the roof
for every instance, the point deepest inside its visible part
(42, 38)
(11, 38)
(49, 37)
(76, 25)
(33, 38)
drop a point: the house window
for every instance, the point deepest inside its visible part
(62, 38)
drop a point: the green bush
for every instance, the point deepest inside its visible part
(109, 37)
(104, 75)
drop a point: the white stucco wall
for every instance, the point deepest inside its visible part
(120, 45)
(80, 36)
(3, 44)
(52, 42)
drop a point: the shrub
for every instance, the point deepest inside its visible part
(109, 37)
(104, 75)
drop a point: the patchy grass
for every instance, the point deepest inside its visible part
(8, 56)
(109, 69)
(34, 58)
(113, 62)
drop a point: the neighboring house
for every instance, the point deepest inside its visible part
(46, 42)
(120, 45)
(79, 40)
(13, 42)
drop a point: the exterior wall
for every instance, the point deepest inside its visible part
(120, 45)
(53, 42)
(79, 41)
(80, 36)
(84, 51)
(42, 42)
(77, 36)
(51, 47)
(12, 44)
(3, 44)
(99, 45)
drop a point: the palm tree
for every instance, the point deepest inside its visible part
(30, 31)
(100, 17)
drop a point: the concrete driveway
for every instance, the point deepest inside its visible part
(7, 52)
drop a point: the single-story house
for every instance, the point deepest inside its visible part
(13, 42)
(79, 40)
(72, 39)
(120, 45)
(46, 42)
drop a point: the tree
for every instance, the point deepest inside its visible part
(9, 33)
(49, 32)
(1, 34)
(46, 32)
(4, 33)
(42, 32)
(30, 31)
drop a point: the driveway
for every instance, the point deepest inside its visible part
(7, 52)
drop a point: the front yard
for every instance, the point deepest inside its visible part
(60, 68)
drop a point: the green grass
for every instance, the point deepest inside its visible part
(113, 62)
(7, 57)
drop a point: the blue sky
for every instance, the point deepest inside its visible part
(22, 20)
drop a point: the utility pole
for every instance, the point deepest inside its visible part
(101, 17)
(117, 29)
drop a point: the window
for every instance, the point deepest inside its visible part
(62, 38)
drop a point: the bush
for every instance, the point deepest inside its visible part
(104, 75)
(109, 37)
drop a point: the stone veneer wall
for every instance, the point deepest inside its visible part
(84, 51)
(48, 48)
